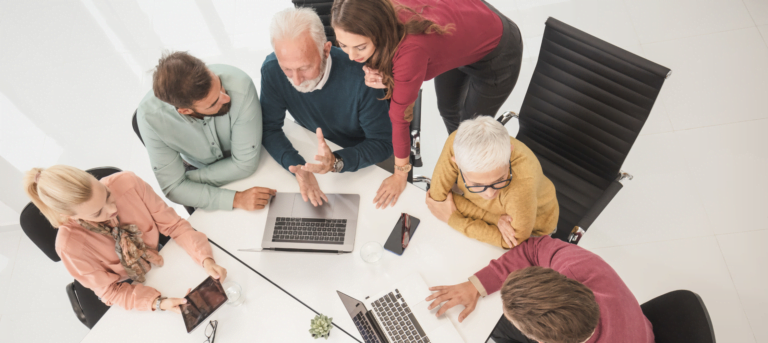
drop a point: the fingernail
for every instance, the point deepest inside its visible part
(184, 301)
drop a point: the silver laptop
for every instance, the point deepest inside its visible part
(400, 315)
(293, 224)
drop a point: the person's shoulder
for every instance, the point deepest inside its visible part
(341, 62)
(523, 160)
(122, 182)
(231, 75)
(67, 241)
(154, 112)
(270, 63)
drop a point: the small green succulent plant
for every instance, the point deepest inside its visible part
(321, 326)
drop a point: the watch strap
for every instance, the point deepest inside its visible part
(158, 301)
(406, 168)
(338, 165)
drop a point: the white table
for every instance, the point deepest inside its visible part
(267, 315)
(440, 254)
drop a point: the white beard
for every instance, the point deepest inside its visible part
(309, 85)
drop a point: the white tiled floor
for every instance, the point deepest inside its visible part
(73, 71)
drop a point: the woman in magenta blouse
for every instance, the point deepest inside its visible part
(471, 50)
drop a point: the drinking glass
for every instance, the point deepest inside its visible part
(371, 252)
(234, 293)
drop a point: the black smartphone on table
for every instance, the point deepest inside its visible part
(202, 301)
(402, 234)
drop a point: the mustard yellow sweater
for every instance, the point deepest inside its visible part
(529, 199)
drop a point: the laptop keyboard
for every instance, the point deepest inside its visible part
(364, 327)
(309, 230)
(396, 318)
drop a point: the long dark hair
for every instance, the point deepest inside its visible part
(377, 20)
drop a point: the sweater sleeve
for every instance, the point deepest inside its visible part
(521, 205)
(273, 107)
(375, 123)
(446, 172)
(169, 223)
(474, 222)
(105, 284)
(171, 175)
(245, 146)
(542, 251)
(409, 68)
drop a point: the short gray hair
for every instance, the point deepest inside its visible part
(291, 23)
(481, 144)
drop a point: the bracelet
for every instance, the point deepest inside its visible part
(158, 301)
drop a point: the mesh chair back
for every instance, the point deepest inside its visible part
(584, 108)
(679, 316)
(39, 229)
(323, 9)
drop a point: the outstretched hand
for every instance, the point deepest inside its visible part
(310, 190)
(324, 156)
(449, 296)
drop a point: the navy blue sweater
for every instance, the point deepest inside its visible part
(347, 110)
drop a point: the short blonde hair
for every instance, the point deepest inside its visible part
(481, 144)
(56, 190)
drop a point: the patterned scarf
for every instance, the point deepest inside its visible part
(134, 255)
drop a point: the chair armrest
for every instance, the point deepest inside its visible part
(505, 117)
(600, 204)
(75, 303)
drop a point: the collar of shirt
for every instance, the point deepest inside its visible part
(326, 72)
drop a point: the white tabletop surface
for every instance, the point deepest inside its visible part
(441, 255)
(266, 315)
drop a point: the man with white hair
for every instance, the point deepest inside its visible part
(325, 92)
(506, 197)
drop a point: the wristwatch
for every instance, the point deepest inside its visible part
(406, 168)
(339, 164)
(158, 301)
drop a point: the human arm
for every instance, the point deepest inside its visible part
(409, 69)
(246, 128)
(169, 171)
(91, 273)
(540, 251)
(273, 108)
(169, 223)
(374, 120)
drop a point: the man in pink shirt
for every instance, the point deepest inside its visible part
(553, 292)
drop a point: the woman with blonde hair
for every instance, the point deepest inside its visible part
(473, 52)
(109, 231)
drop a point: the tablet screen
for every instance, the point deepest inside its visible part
(201, 302)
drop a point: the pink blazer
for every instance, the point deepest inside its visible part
(91, 258)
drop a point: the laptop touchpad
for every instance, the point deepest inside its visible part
(303, 209)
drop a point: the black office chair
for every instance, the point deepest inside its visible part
(323, 9)
(679, 316)
(584, 108)
(87, 306)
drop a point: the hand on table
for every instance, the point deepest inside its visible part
(441, 209)
(507, 232)
(310, 190)
(253, 198)
(462, 294)
(390, 190)
(324, 156)
(214, 270)
(172, 304)
(373, 78)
